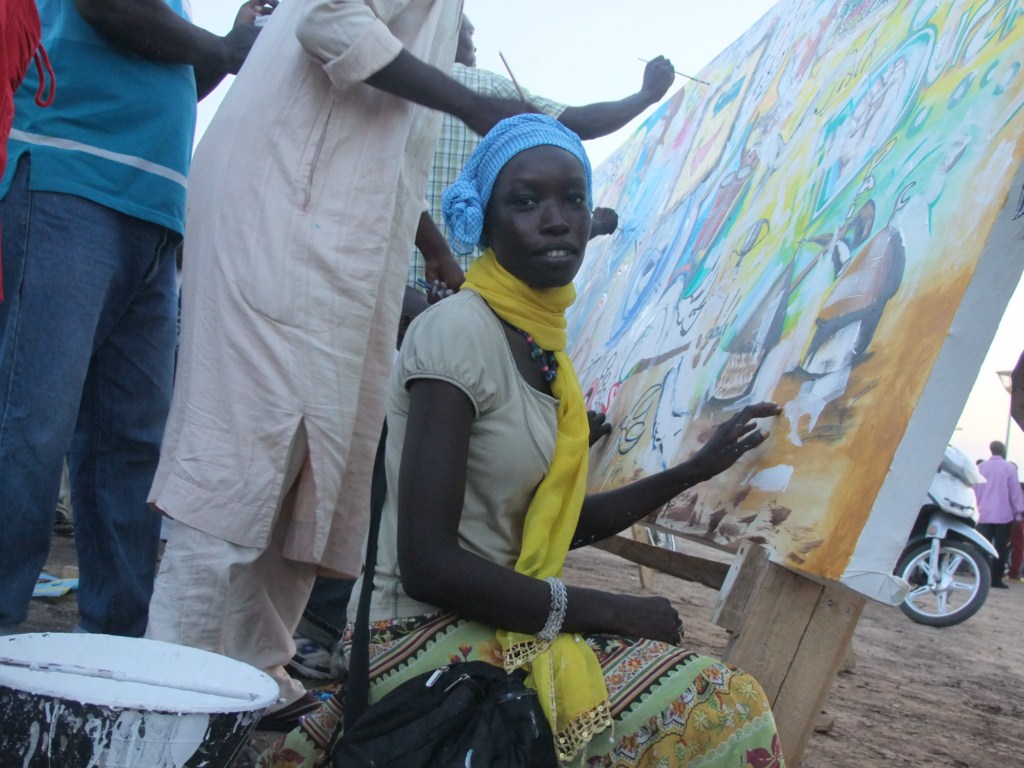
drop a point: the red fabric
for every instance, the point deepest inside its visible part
(19, 39)
(1017, 543)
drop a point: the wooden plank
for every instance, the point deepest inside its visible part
(776, 619)
(710, 573)
(815, 666)
(745, 573)
(792, 634)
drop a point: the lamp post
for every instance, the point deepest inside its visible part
(1005, 380)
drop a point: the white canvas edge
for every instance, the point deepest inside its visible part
(934, 418)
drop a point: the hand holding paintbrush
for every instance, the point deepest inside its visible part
(688, 77)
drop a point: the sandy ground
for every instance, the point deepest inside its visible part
(917, 697)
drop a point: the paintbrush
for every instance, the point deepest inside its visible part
(647, 61)
(514, 81)
(123, 677)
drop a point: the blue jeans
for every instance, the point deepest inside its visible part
(87, 331)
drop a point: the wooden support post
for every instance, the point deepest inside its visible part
(646, 574)
(791, 633)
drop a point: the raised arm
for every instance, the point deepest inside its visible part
(355, 45)
(601, 118)
(605, 514)
(409, 78)
(149, 28)
(436, 570)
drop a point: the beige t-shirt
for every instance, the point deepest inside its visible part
(512, 438)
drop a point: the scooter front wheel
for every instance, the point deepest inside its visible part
(954, 592)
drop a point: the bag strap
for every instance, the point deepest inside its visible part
(357, 686)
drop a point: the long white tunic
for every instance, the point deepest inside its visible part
(302, 207)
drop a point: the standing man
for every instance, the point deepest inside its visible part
(1000, 505)
(303, 204)
(93, 205)
(457, 140)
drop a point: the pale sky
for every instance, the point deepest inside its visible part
(581, 51)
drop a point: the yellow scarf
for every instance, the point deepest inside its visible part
(566, 672)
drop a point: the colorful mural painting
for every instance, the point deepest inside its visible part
(804, 230)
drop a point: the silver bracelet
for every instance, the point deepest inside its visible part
(559, 602)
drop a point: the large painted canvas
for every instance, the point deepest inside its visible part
(829, 223)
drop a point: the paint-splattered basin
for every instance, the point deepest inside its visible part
(85, 701)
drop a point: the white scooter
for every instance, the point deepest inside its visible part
(946, 560)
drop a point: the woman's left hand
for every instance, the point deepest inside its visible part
(598, 426)
(733, 438)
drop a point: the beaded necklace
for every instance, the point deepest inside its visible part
(547, 360)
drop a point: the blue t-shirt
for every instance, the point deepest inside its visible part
(120, 129)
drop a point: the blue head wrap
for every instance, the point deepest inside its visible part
(465, 202)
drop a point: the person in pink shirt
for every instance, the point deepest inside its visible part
(1000, 505)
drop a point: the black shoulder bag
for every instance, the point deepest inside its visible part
(467, 714)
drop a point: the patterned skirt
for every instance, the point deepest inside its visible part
(670, 707)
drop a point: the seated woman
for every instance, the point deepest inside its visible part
(486, 463)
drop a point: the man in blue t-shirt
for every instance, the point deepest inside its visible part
(93, 204)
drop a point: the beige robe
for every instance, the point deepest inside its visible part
(302, 208)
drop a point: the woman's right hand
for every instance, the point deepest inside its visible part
(653, 618)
